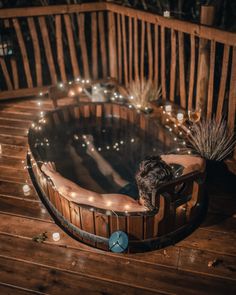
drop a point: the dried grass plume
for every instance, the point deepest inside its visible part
(141, 92)
(211, 139)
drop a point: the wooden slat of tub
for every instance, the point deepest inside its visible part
(148, 228)
(136, 46)
(11, 289)
(182, 70)
(101, 29)
(72, 48)
(107, 110)
(57, 200)
(75, 215)
(211, 80)
(223, 79)
(150, 53)
(48, 49)
(66, 115)
(37, 54)
(173, 65)
(118, 223)
(83, 45)
(94, 32)
(142, 51)
(156, 54)
(163, 64)
(116, 110)
(192, 72)
(77, 112)
(124, 42)
(6, 73)
(88, 224)
(102, 228)
(232, 93)
(112, 45)
(135, 226)
(23, 52)
(123, 113)
(65, 205)
(99, 110)
(86, 111)
(60, 52)
(130, 51)
(56, 119)
(119, 46)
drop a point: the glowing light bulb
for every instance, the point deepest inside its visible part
(189, 152)
(121, 142)
(99, 149)
(40, 93)
(168, 108)
(71, 93)
(56, 237)
(79, 89)
(41, 114)
(32, 125)
(178, 149)
(105, 91)
(61, 85)
(108, 147)
(39, 103)
(175, 139)
(77, 79)
(132, 140)
(131, 97)
(87, 81)
(130, 106)
(112, 98)
(70, 82)
(94, 87)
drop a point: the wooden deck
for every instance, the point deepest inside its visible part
(69, 267)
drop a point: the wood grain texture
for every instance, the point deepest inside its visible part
(24, 54)
(83, 45)
(6, 74)
(37, 54)
(94, 36)
(163, 64)
(232, 93)
(192, 72)
(112, 45)
(182, 70)
(60, 51)
(48, 49)
(211, 80)
(101, 29)
(173, 66)
(124, 43)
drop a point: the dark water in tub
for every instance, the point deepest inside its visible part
(114, 145)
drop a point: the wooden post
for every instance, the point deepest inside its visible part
(207, 18)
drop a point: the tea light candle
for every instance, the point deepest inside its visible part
(166, 13)
(180, 117)
(26, 189)
(168, 108)
(56, 237)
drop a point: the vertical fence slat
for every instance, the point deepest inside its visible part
(173, 65)
(182, 70)
(130, 50)
(112, 45)
(48, 50)
(211, 79)
(23, 53)
(102, 43)
(82, 41)
(150, 55)
(60, 52)
(156, 54)
(163, 64)
(142, 50)
(232, 93)
(136, 62)
(223, 79)
(192, 72)
(71, 43)
(94, 36)
(37, 55)
(124, 50)
(13, 63)
(6, 74)
(119, 48)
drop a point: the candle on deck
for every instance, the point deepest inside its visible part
(56, 237)
(180, 117)
(168, 108)
(26, 189)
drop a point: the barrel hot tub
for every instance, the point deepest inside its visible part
(125, 136)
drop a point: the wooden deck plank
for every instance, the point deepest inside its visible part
(53, 281)
(153, 277)
(8, 289)
(13, 189)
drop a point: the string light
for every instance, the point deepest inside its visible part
(77, 79)
(40, 93)
(70, 82)
(61, 85)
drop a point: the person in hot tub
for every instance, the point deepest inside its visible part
(152, 171)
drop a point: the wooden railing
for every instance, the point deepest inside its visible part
(58, 43)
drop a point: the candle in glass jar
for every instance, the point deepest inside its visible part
(180, 117)
(168, 108)
(166, 13)
(26, 189)
(56, 237)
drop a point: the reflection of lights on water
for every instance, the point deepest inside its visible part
(121, 142)
(117, 149)
(76, 137)
(41, 93)
(184, 143)
(99, 149)
(41, 114)
(88, 142)
(83, 145)
(180, 133)
(112, 98)
(132, 140)
(108, 147)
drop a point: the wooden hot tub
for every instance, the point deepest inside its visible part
(175, 216)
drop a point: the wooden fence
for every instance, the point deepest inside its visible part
(58, 43)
